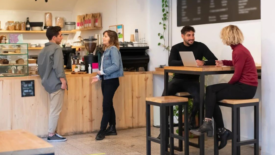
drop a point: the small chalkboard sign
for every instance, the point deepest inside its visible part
(27, 88)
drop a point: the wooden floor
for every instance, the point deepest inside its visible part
(128, 142)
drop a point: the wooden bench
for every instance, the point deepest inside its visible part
(165, 102)
(18, 142)
(236, 138)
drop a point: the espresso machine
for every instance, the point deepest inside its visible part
(90, 45)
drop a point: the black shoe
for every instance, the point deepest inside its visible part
(100, 135)
(205, 127)
(56, 138)
(223, 136)
(111, 131)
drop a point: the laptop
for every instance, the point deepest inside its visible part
(188, 59)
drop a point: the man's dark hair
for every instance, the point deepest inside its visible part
(53, 31)
(187, 29)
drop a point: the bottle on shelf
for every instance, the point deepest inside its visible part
(136, 36)
(82, 67)
(89, 69)
(28, 26)
(73, 65)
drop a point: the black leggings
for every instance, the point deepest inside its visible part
(218, 92)
(109, 88)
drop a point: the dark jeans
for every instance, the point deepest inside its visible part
(186, 85)
(218, 92)
(109, 88)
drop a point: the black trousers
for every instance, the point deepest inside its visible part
(218, 92)
(185, 85)
(109, 88)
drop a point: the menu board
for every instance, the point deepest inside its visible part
(27, 88)
(195, 12)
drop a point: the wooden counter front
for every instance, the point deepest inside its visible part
(82, 108)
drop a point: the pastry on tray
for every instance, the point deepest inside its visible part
(20, 61)
(4, 61)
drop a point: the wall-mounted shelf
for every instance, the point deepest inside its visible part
(43, 32)
(30, 32)
(40, 48)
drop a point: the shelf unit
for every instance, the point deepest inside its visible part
(43, 32)
(40, 48)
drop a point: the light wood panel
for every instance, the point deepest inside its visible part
(18, 142)
(203, 68)
(167, 99)
(82, 107)
(234, 101)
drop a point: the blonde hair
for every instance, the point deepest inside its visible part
(232, 35)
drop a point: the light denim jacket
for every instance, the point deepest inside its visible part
(112, 63)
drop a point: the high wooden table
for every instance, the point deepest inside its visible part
(202, 72)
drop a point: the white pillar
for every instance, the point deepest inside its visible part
(268, 77)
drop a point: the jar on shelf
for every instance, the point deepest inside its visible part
(23, 26)
(69, 26)
(17, 26)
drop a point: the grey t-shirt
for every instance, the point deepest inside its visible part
(51, 67)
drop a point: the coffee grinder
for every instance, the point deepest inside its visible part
(90, 45)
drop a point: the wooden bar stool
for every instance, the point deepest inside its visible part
(18, 142)
(236, 126)
(165, 102)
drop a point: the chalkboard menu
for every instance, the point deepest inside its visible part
(195, 12)
(27, 88)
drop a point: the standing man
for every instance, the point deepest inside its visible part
(51, 71)
(189, 83)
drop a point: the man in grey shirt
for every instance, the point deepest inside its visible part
(51, 71)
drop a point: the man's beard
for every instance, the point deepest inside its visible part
(187, 42)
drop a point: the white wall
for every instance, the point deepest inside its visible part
(268, 76)
(131, 13)
(35, 16)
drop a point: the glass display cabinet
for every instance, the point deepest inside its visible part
(14, 60)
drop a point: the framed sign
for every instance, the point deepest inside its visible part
(27, 88)
(196, 12)
(120, 31)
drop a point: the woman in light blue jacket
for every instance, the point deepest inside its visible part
(111, 69)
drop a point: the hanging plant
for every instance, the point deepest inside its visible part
(164, 23)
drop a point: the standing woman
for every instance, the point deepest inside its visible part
(243, 84)
(110, 70)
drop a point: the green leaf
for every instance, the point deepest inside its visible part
(164, 24)
(158, 34)
(166, 5)
(160, 23)
(165, 18)
(167, 12)
(161, 37)
(164, 14)
(164, 28)
(163, 10)
(158, 44)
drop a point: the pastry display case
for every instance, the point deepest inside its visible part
(14, 60)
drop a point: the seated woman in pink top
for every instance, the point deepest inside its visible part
(243, 84)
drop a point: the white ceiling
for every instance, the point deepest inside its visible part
(51, 5)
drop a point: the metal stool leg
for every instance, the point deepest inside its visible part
(171, 130)
(180, 127)
(186, 130)
(234, 130)
(148, 129)
(238, 130)
(256, 129)
(163, 128)
(216, 142)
